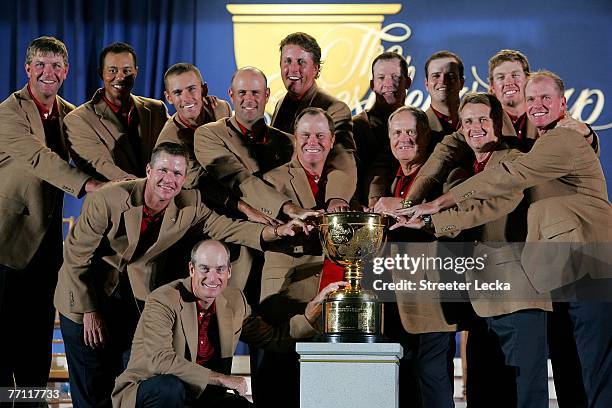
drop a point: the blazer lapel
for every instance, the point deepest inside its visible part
(508, 127)
(169, 222)
(300, 185)
(225, 317)
(144, 126)
(29, 106)
(434, 122)
(237, 146)
(63, 109)
(112, 129)
(189, 321)
(133, 217)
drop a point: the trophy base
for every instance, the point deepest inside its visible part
(349, 338)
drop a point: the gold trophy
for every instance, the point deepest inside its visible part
(351, 314)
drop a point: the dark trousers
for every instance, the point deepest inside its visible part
(93, 371)
(593, 333)
(567, 371)
(168, 391)
(27, 314)
(590, 311)
(506, 361)
(426, 369)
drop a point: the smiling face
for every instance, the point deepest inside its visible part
(165, 177)
(545, 103)
(249, 95)
(298, 70)
(210, 271)
(118, 73)
(477, 127)
(443, 80)
(46, 74)
(407, 145)
(313, 141)
(388, 83)
(185, 92)
(508, 83)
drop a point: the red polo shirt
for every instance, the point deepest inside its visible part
(45, 114)
(403, 184)
(206, 320)
(184, 122)
(447, 123)
(480, 166)
(330, 272)
(252, 137)
(520, 125)
(127, 117)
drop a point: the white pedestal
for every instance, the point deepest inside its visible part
(349, 375)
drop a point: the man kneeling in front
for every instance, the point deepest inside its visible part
(187, 334)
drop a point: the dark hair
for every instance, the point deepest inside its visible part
(116, 48)
(197, 246)
(252, 69)
(304, 41)
(490, 100)
(46, 45)
(173, 149)
(423, 127)
(389, 55)
(507, 56)
(181, 68)
(541, 74)
(312, 111)
(444, 54)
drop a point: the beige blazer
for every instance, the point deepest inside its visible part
(342, 179)
(32, 178)
(500, 242)
(569, 221)
(420, 311)
(453, 151)
(293, 266)
(103, 241)
(174, 131)
(221, 150)
(99, 142)
(165, 341)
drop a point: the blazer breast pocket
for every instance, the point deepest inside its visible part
(561, 231)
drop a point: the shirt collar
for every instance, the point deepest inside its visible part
(184, 122)
(115, 108)
(45, 114)
(242, 128)
(212, 309)
(445, 118)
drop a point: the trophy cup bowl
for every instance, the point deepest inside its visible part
(351, 314)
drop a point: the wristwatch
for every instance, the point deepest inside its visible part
(427, 220)
(406, 203)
